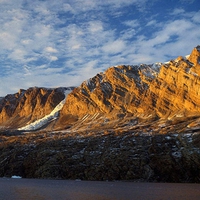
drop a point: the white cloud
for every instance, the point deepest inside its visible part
(178, 11)
(128, 33)
(54, 43)
(132, 23)
(95, 26)
(26, 41)
(51, 50)
(172, 40)
(67, 8)
(114, 47)
(17, 54)
(53, 58)
(152, 23)
(76, 46)
(196, 17)
(7, 41)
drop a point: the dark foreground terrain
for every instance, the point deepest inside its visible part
(148, 153)
(34, 189)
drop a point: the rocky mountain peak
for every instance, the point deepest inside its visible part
(119, 95)
(161, 90)
(26, 106)
(194, 58)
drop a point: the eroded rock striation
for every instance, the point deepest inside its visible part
(28, 105)
(119, 95)
(161, 90)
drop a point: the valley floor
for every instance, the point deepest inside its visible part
(42, 189)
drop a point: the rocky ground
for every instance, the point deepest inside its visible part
(152, 152)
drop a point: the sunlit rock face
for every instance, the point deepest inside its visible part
(121, 95)
(176, 88)
(119, 90)
(28, 105)
(161, 90)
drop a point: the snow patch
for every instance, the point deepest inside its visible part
(187, 56)
(14, 176)
(168, 137)
(177, 154)
(52, 116)
(156, 66)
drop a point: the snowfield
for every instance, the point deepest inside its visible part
(43, 121)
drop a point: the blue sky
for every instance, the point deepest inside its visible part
(52, 43)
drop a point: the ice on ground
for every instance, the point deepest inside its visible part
(14, 176)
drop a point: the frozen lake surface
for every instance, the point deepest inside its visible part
(38, 189)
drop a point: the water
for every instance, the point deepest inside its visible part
(34, 189)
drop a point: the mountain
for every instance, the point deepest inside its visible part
(121, 95)
(26, 106)
(132, 122)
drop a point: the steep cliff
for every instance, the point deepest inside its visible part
(162, 90)
(28, 105)
(122, 95)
